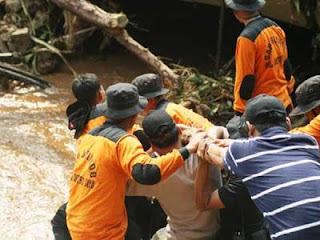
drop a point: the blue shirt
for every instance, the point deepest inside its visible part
(282, 173)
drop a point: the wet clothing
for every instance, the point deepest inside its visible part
(282, 174)
(312, 129)
(183, 115)
(262, 64)
(176, 197)
(106, 158)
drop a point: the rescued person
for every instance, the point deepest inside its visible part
(176, 193)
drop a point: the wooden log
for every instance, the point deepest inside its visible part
(114, 25)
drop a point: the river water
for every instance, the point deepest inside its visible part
(37, 150)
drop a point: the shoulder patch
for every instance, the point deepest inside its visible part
(254, 28)
(109, 131)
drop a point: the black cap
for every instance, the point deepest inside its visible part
(85, 87)
(307, 96)
(157, 123)
(262, 107)
(150, 85)
(245, 5)
(123, 101)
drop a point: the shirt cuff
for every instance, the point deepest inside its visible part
(184, 153)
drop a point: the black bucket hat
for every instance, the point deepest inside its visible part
(123, 101)
(150, 85)
(307, 96)
(245, 5)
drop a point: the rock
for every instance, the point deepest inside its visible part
(20, 41)
(13, 5)
(46, 62)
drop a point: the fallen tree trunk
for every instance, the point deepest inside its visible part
(23, 76)
(115, 27)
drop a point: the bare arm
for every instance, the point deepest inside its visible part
(211, 153)
(204, 198)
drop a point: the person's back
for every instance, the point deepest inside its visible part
(176, 194)
(176, 197)
(262, 63)
(281, 170)
(182, 115)
(284, 182)
(90, 215)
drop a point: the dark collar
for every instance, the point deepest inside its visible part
(274, 131)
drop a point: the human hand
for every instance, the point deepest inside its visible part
(210, 152)
(223, 142)
(218, 132)
(194, 141)
(187, 133)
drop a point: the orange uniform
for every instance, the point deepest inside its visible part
(106, 157)
(312, 129)
(262, 64)
(96, 119)
(183, 115)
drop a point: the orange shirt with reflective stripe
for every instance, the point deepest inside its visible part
(262, 52)
(312, 129)
(96, 207)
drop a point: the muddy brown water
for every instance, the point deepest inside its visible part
(37, 149)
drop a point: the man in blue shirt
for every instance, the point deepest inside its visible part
(281, 170)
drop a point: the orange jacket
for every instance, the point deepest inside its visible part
(183, 115)
(312, 129)
(262, 64)
(106, 157)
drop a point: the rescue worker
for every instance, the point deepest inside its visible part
(308, 103)
(280, 170)
(150, 85)
(84, 115)
(176, 194)
(106, 157)
(262, 64)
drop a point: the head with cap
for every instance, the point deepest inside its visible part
(123, 104)
(308, 98)
(264, 112)
(87, 88)
(161, 131)
(150, 86)
(245, 10)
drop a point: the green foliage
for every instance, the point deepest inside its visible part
(296, 4)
